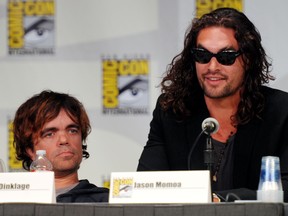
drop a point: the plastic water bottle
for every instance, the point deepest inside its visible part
(41, 162)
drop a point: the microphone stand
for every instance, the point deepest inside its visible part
(209, 158)
(209, 155)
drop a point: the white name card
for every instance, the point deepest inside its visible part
(36, 187)
(160, 187)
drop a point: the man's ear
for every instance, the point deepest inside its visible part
(31, 153)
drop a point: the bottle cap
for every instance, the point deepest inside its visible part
(41, 152)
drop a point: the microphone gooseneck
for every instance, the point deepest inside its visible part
(192, 149)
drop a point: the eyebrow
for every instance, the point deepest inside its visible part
(223, 49)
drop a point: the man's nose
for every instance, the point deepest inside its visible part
(63, 138)
(213, 63)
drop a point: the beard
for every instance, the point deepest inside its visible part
(216, 93)
(66, 168)
(67, 163)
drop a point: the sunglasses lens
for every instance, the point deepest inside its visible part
(202, 56)
(226, 57)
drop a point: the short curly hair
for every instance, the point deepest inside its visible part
(40, 109)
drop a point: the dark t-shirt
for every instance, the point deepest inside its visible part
(224, 159)
(84, 192)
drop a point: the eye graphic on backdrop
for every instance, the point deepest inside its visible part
(134, 91)
(39, 31)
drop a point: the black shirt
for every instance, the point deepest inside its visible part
(84, 192)
(223, 165)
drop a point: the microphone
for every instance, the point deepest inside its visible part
(210, 125)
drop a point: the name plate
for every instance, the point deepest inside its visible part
(160, 187)
(36, 187)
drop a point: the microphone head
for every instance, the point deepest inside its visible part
(210, 125)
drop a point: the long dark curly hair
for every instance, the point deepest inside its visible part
(40, 109)
(180, 83)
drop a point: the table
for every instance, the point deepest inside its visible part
(105, 209)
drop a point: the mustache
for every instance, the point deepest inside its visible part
(63, 149)
(217, 73)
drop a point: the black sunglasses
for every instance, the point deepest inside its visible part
(225, 57)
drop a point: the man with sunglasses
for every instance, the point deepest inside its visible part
(220, 73)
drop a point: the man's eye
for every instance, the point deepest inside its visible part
(73, 131)
(50, 134)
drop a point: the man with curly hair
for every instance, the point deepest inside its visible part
(59, 124)
(222, 72)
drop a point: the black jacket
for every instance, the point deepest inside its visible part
(170, 140)
(84, 192)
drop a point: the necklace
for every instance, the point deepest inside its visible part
(220, 158)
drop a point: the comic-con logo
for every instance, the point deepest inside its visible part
(13, 163)
(125, 86)
(122, 187)
(206, 6)
(31, 27)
